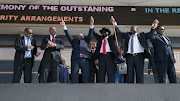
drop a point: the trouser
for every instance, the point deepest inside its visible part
(164, 68)
(26, 66)
(135, 64)
(82, 64)
(93, 71)
(48, 72)
(106, 65)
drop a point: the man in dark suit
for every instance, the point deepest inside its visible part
(63, 73)
(24, 57)
(80, 54)
(51, 58)
(93, 64)
(163, 56)
(105, 53)
(152, 65)
(135, 51)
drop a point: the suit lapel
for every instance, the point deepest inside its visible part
(23, 42)
(161, 39)
(49, 39)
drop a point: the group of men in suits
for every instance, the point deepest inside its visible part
(26, 49)
(135, 51)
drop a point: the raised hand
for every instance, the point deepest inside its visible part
(91, 21)
(156, 22)
(62, 23)
(112, 20)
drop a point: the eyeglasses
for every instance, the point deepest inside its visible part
(162, 29)
(30, 33)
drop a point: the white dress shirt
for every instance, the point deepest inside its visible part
(107, 46)
(137, 48)
(51, 37)
(27, 43)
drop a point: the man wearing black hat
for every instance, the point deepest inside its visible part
(105, 53)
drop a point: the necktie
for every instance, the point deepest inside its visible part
(104, 46)
(165, 39)
(132, 38)
(93, 51)
(53, 38)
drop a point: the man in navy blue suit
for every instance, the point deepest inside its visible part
(163, 56)
(80, 54)
(63, 73)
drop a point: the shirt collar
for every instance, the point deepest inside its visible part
(25, 38)
(136, 34)
(51, 36)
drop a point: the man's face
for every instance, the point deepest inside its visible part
(104, 33)
(134, 29)
(63, 62)
(80, 36)
(28, 33)
(160, 30)
(52, 30)
(92, 45)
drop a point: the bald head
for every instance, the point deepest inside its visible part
(134, 29)
(52, 30)
(80, 36)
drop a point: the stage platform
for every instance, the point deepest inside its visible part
(89, 92)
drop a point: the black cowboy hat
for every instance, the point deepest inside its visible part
(105, 29)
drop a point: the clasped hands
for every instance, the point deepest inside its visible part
(51, 44)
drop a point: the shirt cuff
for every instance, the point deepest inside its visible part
(115, 23)
(153, 26)
(65, 28)
(91, 27)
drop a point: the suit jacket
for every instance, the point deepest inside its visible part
(111, 42)
(52, 51)
(142, 39)
(63, 74)
(162, 51)
(20, 47)
(80, 46)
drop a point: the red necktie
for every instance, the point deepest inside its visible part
(104, 46)
(93, 51)
(53, 38)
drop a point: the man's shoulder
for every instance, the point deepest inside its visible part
(19, 37)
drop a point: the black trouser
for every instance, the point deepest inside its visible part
(135, 62)
(164, 68)
(26, 66)
(48, 72)
(93, 71)
(106, 65)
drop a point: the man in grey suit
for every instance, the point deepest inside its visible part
(80, 54)
(51, 58)
(163, 56)
(24, 57)
(135, 51)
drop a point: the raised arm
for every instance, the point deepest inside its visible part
(70, 38)
(150, 35)
(118, 32)
(91, 29)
